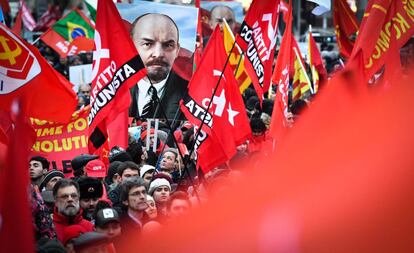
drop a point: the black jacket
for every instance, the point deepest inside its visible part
(175, 89)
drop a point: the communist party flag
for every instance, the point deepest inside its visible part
(14, 175)
(317, 68)
(71, 34)
(301, 83)
(225, 121)
(236, 60)
(257, 39)
(346, 25)
(386, 27)
(25, 74)
(281, 78)
(116, 68)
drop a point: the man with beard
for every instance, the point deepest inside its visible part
(134, 198)
(67, 210)
(156, 38)
(91, 190)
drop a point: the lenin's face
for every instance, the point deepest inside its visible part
(156, 39)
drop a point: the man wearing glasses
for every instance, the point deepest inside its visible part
(134, 198)
(67, 210)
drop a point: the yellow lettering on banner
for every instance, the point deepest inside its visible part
(39, 122)
(403, 25)
(377, 52)
(46, 146)
(384, 39)
(60, 145)
(76, 141)
(84, 141)
(81, 124)
(409, 9)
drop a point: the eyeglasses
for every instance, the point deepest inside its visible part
(66, 196)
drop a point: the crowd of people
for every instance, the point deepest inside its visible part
(154, 180)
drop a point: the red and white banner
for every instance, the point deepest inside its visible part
(257, 39)
(225, 123)
(27, 17)
(26, 75)
(117, 67)
(281, 78)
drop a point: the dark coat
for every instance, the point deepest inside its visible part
(175, 89)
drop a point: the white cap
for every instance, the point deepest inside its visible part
(157, 183)
(145, 168)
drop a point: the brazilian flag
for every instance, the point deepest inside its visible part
(71, 34)
(73, 25)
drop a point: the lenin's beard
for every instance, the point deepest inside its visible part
(157, 70)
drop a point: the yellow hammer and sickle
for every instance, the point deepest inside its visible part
(7, 53)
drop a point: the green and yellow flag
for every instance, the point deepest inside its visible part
(71, 34)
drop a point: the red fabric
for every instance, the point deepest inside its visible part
(48, 18)
(316, 63)
(257, 39)
(62, 222)
(17, 27)
(371, 34)
(346, 25)
(227, 125)
(120, 58)
(5, 6)
(281, 78)
(15, 205)
(43, 92)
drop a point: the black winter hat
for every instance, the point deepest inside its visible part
(119, 154)
(46, 245)
(90, 188)
(89, 239)
(81, 160)
(51, 174)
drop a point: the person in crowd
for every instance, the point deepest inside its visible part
(220, 12)
(38, 167)
(42, 221)
(50, 179)
(179, 205)
(108, 222)
(160, 189)
(91, 190)
(46, 187)
(92, 242)
(67, 208)
(125, 170)
(112, 178)
(85, 89)
(79, 162)
(134, 198)
(156, 38)
(146, 172)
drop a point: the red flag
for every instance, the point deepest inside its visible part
(27, 17)
(226, 124)
(386, 27)
(15, 175)
(257, 39)
(301, 83)
(4, 4)
(346, 25)
(24, 73)
(17, 27)
(318, 70)
(281, 78)
(48, 18)
(116, 68)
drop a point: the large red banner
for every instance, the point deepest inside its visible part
(60, 143)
